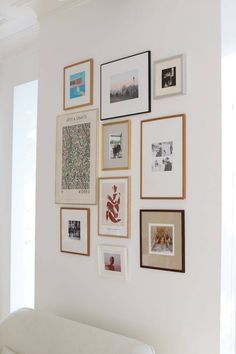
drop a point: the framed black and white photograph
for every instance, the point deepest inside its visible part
(75, 230)
(162, 239)
(125, 86)
(76, 158)
(169, 76)
(163, 158)
(112, 261)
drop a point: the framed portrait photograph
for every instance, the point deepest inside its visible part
(162, 240)
(114, 207)
(163, 158)
(78, 84)
(76, 158)
(116, 145)
(75, 231)
(169, 76)
(112, 261)
(125, 86)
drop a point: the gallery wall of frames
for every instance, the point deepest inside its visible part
(125, 91)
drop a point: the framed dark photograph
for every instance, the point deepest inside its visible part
(75, 230)
(162, 240)
(169, 77)
(125, 86)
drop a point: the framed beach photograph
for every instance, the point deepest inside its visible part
(163, 158)
(114, 207)
(169, 76)
(76, 158)
(125, 86)
(112, 261)
(78, 84)
(75, 231)
(116, 145)
(162, 240)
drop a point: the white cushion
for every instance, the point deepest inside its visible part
(6, 350)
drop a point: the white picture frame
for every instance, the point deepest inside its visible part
(113, 262)
(76, 158)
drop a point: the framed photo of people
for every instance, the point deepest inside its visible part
(125, 86)
(75, 231)
(116, 145)
(169, 76)
(76, 158)
(163, 158)
(112, 262)
(114, 207)
(78, 84)
(162, 240)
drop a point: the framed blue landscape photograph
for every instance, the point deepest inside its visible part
(78, 84)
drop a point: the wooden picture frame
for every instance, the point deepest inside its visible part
(75, 231)
(114, 207)
(76, 158)
(162, 240)
(78, 85)
(112, 262)
(116, 145)
(169, 77)
(162, 165)
(125, 86)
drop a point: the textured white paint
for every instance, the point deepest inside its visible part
(177, 313)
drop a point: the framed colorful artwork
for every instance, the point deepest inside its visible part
(169, 77)
(78, 84)
(163, 158)
(125, 86)
(76, 158)
(75, 231)
(162, 240)
(114, 207)
(112, 262)
(116, 145)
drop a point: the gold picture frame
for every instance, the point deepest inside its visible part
(116, 145)
(114, 207)
(78, 85)
(75, 231)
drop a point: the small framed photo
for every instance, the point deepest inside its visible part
(76, 158)
(78, 84)
(163, 158)
(114, 207)
(169, 77)
(125, 86)
(162, 240)
(112, 261)
(75, 231)
(116, 146)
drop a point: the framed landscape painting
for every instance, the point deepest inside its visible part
(75, 231)
(78, 84)
(112, 262)
(163, 158)
(114, 207)
(125, 86)
(76, 158)
(162, 240)
(116, 145)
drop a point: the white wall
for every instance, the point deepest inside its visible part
(14, 70)
(177, 313)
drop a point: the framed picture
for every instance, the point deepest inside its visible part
(169, 77)
(162, 240)
(163, 158)
(125, 86)
(78, 84)
(76, 158)
(112, 261)
(116, 146)
(114, 207)
(75, 231)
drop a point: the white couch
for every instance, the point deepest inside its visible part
(34, 332)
